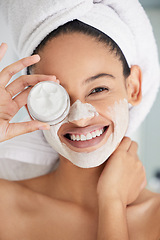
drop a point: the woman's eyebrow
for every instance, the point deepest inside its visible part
(97, 76)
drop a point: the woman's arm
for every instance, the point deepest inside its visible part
(112, 220)
(122, 180)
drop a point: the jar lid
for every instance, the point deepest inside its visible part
(48, 102)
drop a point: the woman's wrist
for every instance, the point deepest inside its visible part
(112, 219)
(111, 201)
(110, 197)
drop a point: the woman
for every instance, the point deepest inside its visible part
(107, 201)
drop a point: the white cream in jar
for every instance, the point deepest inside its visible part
(48, 102)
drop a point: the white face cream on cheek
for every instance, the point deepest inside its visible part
(118, 113)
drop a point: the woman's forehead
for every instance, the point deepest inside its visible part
(73, 53)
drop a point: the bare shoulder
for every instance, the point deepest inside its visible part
(16, 196)
(144, 216)
(8, 201)
(11, 194)
(17, 206)
(8, 189)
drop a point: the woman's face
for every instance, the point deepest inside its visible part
(90, 73)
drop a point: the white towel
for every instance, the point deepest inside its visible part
(30, 148)
(26, 156)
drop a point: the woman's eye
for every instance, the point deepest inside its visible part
(98, 90)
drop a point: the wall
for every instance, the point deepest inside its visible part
(150, 130)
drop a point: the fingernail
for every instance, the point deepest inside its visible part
(36, 56)
(52, 78)
(44, 127)
(3, 44)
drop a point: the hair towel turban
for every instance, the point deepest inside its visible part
(122, 20)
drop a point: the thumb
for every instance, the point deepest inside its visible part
(16, 129)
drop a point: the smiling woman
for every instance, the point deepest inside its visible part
(103, 69)
(99, 184)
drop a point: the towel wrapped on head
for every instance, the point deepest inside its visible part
(124, 21)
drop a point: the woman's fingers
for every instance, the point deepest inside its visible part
(128, 145)
(17, 129)
(3, 49)
(11, 130)
(125, 144)
(133, 147)
(20, 83)
(18, 86)
(9, 71)
(21, 99)
(145, 180)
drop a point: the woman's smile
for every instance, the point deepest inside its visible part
(85, 137)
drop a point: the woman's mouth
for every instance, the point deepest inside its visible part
(86, 140)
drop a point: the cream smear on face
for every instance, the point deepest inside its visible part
(81, 110)
(118, 114)
(49, 102)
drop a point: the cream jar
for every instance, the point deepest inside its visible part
(48, 102)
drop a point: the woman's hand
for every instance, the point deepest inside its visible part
(123, 176)
(10, 102)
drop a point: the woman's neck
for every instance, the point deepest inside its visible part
(75, 184)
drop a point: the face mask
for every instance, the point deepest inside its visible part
(118, 114)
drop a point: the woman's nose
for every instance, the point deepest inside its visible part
(83, 122)
(80, 113)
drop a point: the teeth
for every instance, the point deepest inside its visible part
(89, 136)
(94, 134)
(77, 137)
(83, 138)
(98, 133)
(74, 137)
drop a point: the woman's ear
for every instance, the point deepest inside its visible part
(134, 85)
